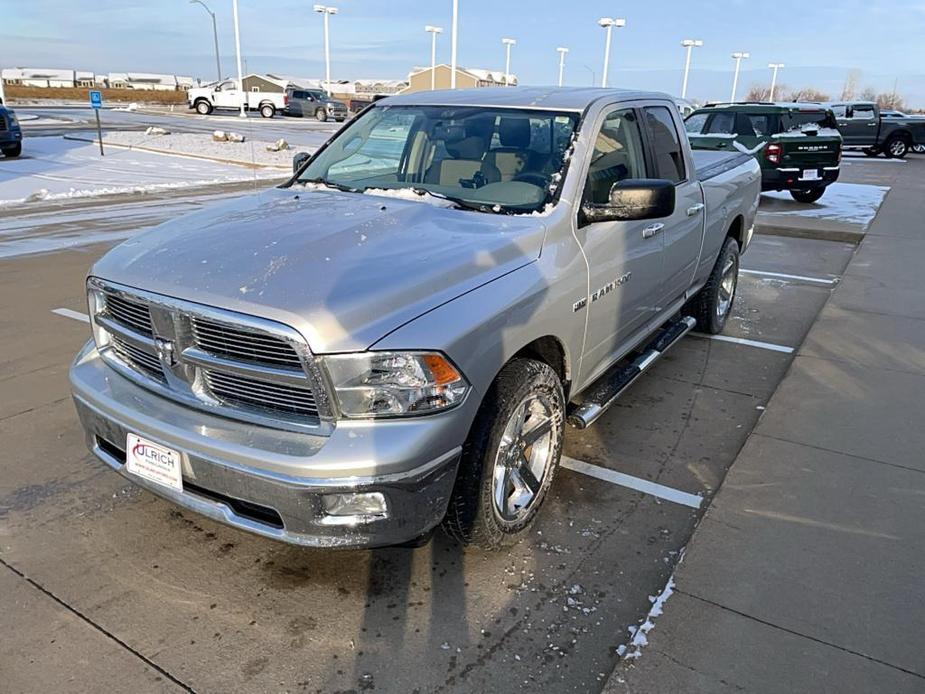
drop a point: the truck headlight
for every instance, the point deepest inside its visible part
(394, 384)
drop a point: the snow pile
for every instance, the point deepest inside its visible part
(745, 150)
(640, 634)
(131, 107)
(851, 203)
(219, 145)
(408, 194)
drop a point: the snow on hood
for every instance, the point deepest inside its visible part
(342, 268)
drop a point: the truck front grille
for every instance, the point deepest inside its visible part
(226, 363)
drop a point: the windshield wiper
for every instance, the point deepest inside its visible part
(330, 184)
(460, 202)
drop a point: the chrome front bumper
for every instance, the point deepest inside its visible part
(271, 482)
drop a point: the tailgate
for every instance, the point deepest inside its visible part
(804, 151)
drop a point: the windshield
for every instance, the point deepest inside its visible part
(490, 159)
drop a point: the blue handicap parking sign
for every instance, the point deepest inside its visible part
(96, 99)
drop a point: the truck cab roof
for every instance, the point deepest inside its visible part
(540, 98)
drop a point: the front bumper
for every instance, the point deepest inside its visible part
(788, 178)
(269, 481)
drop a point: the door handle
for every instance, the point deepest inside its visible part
(652, 230)
(695, 209)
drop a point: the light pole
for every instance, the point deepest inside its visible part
(237, 50)
(738, 57)
(775, 67)
(690, 45)
(507, 61)
(453, 33)
(433, 53)
(609, 23)
(562, 52)
(2, 95)
(326, 11)
(218, 62)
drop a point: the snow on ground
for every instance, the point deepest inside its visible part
(852, 203)
(54, 168)
(251, 152)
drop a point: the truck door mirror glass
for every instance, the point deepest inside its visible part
(633, 200)
(298, 160)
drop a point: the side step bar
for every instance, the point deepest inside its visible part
(611, 385)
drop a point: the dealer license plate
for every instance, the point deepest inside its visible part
(153, 462)
(812, 175)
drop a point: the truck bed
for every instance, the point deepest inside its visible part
(711, 164)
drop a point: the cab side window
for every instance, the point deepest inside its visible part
(666, 145)
(618, 155)
(722, 124)
(862, 112)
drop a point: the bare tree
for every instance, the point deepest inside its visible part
(869, 94)
(757, 92)
(851, 84)
(891, 100)
(808, 94)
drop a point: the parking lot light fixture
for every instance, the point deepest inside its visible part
(774, 68)
(609, 23)
(738, 57)
(237, 49)
(453, 34)
(690, 45)
(507, 60)
(218, 62)
(433, 53)
(562, 52)
(326, 11)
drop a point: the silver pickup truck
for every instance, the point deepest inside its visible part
(398, 336)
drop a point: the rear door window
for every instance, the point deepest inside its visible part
(756, 124)
(666, 144)
(722, 124)
(695, 123)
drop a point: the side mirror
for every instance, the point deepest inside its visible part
(298, 160)
(634, 199)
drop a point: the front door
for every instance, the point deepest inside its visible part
(683, 230)
(227, 95)
(860, 130)
(624, 258)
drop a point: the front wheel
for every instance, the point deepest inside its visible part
(321, 115)
(203, 108)
(713, 304)
(809, 195)
(267, 110)
(510, 458)
(13, 151)
(897, 148)
(918, 149)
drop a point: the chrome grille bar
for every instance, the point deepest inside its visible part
(226, 340)
(132, 313)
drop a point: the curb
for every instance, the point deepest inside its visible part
(153, 150)
(840, 235)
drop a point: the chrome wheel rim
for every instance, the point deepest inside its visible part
(524, 457)
(727, 287)
(897, 148)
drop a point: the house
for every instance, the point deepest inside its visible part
(371, 88)
(83, 78)
(117, 80)
(151, 81)
(264, 83)
(41, 77)
(420, 78)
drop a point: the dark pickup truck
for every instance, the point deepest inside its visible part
(862, 125)
(10, 133)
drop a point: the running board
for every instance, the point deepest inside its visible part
(611, 385)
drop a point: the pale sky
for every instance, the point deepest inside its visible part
(819, 41)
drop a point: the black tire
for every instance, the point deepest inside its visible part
(267, 110)
(321, 115)
(871, 151)
(896, 148)
(708, 306)
(808, 195)
(473, 516)
(203, 107)
(13, 151)
(340, 120)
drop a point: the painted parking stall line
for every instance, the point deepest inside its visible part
(785, 276)
(640, 485)
(770, 346)
(73, 315)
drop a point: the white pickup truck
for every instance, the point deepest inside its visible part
(226, 95)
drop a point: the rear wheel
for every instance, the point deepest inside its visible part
(510, 458)
(808, 195)
(267, 110)
(203, 107)
(13, 151)
(321, 115)
(897, 148)
(713, 304)
(918, 149)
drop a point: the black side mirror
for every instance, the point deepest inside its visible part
(298, 160)
(634, 199)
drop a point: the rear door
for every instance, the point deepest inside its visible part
(861, 127)
(712, 130)
(625, 261)
(683, 231)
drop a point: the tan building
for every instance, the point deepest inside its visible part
(419, 79)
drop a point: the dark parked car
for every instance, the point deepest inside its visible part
(797, 145)
(862, 124)
(10, 133)
(314, 103)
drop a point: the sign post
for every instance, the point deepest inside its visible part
(96, 103)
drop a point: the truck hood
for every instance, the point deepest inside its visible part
(344, 269)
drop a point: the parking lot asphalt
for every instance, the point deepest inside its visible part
(98, 575)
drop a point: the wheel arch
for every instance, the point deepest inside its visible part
(736, 230)
(551, 351)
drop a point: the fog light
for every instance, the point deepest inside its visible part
(365, 504)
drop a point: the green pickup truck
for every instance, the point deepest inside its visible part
(797, 145)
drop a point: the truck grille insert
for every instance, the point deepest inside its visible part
(132, 314)
(138, 358)
(233, 389)
(235, 343)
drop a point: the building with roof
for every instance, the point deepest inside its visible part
(43, 77)
(420, 78)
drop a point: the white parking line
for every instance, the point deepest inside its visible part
(75, 315)
(640, 485)
(871, 160)
(749, 343)
(784, 276)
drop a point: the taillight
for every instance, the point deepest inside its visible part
(773, 152)
(285, 99)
